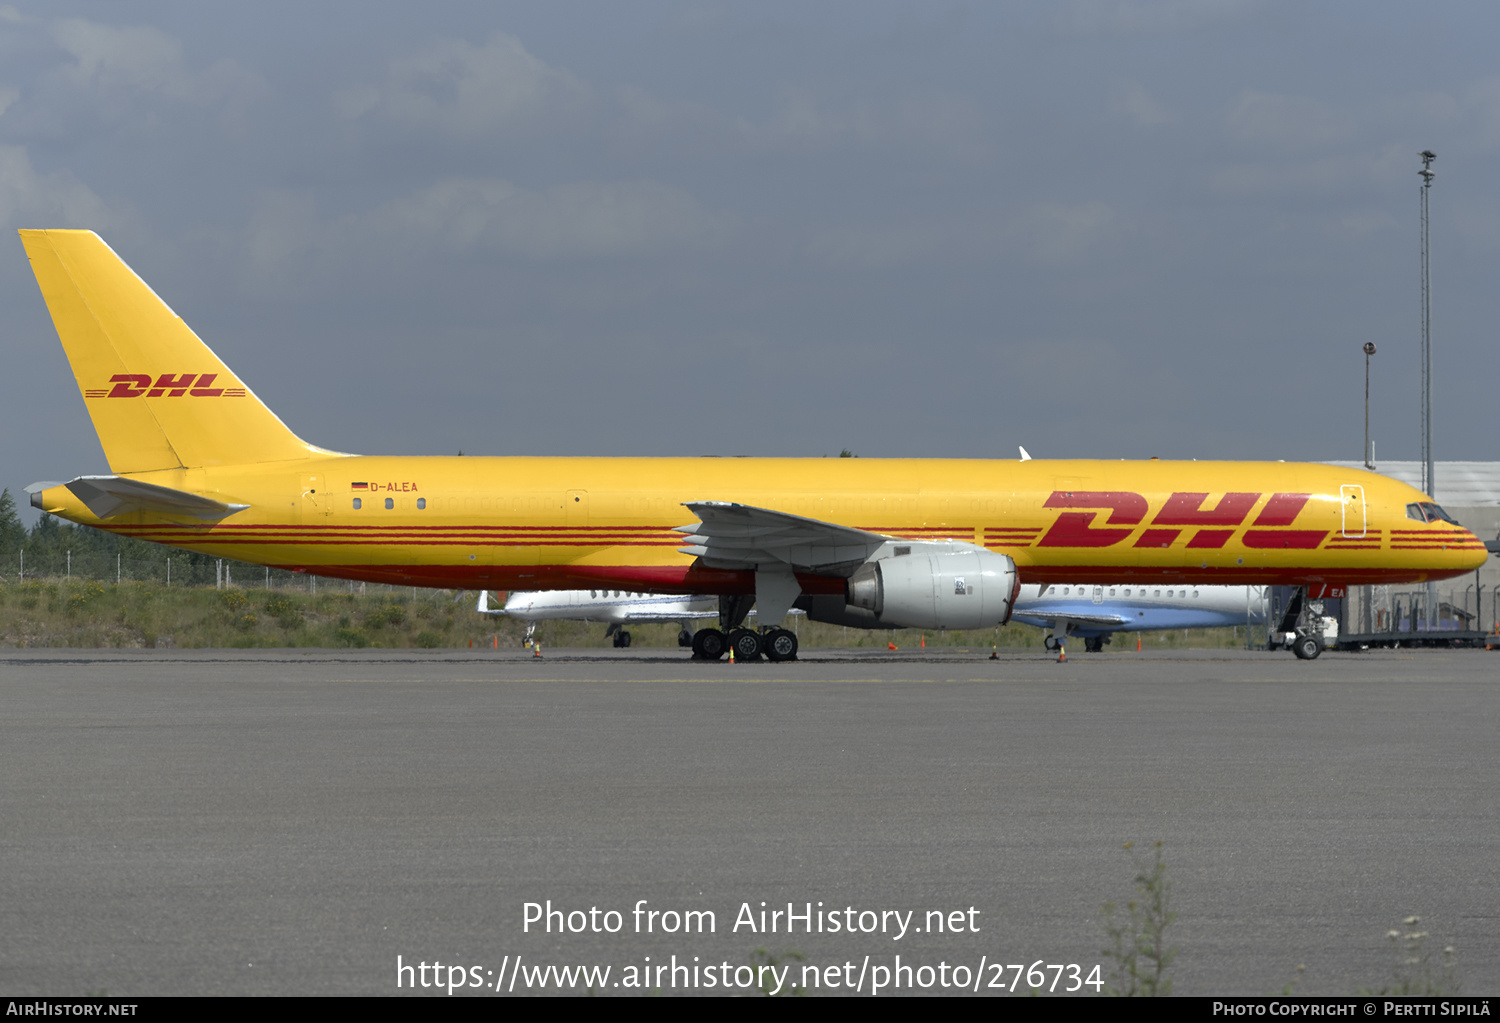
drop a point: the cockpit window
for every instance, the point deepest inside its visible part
(1426, 511)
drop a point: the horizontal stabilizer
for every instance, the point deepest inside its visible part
(107, 496)
(742, 536)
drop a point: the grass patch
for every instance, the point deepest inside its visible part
(53, 612)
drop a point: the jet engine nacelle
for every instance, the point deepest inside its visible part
(963, 589)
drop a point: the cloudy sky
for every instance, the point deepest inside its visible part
(1095, 228)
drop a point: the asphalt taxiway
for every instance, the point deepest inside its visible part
(285, 822)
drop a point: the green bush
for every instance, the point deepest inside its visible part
(390, 614)
(351, 638)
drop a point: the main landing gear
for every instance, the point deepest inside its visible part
(1093, 644)
(775, 644)
(1304, 617)
(748, 644)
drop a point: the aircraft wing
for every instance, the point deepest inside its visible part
(647, 615)
(107, 496)
(740, 536)
(1052, 617)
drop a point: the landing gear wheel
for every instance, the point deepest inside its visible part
(709, 644)
(1050, 642)
(1307, 647)
(781, 645)
(1093, 644)
(746, 644)
(684, 638)
(623, 639)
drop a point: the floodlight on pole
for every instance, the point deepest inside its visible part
(1429, 483)
(1369, 455)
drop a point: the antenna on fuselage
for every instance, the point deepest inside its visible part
(1025, 457)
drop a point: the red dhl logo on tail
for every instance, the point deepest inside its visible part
(1127, 511)
(168, 385)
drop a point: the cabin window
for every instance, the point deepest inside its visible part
(421, 503)
(593, 594)
(390, 502)
(356, 504)
(1195, 594)
(1158, 593)
(1127, 591)
(1111, 591)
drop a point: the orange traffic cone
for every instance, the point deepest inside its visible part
(731, 653)
(924, 641)
(497, 641)
(891, 645)
(1062, 654)
(1137, 642)
(536, 650)
(994, 653)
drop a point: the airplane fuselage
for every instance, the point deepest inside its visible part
(613, 607)
(1091, 610)
(569, 523)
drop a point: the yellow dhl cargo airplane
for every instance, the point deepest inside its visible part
(197, 461)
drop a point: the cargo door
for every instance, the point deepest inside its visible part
(576, 508)
(1355, 522)
(316, 501)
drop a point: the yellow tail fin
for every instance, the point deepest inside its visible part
(158, 396)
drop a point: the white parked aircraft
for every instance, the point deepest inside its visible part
(616, 608)
(1087, 612)
(1094, 613)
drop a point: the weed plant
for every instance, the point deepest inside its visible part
(1138, 934)
(1414, 971)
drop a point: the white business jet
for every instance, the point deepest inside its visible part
(616, 608)
(1093, 613)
